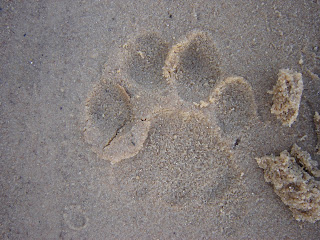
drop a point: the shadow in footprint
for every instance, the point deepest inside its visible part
(110, 128)
(233, 104)
(144, 60)
(108, 110)
(194, 65)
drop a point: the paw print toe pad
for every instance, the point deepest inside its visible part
(194, 65)
(144, 59)
(233, 104)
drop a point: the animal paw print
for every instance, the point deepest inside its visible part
(162, 117)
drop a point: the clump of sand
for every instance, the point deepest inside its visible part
(293, 178)
(287, 96)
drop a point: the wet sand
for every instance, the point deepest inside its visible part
(144, 120)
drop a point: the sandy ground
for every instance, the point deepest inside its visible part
(195, 177)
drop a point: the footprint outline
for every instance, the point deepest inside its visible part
(167, 98)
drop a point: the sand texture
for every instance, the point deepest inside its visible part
(144, 119)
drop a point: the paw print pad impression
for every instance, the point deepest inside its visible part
(161, 118)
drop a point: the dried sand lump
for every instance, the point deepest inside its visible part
(286, 96)
(293, 178)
